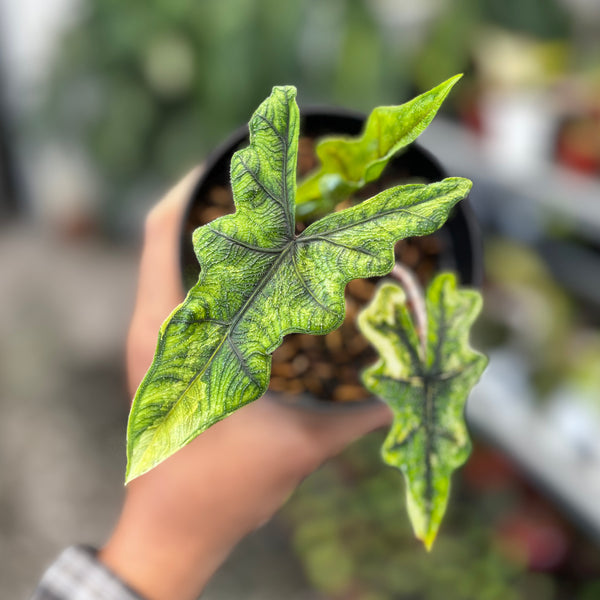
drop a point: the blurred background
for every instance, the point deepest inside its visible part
(104, 104)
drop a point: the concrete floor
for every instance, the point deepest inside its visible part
(65, 306)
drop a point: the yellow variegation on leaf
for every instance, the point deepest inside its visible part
(426, 386)
(348, 163)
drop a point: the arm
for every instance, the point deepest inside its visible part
(181, 520)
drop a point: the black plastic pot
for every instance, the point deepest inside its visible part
(460, 239)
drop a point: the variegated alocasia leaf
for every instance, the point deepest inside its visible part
(347, 164)
(259, 281)
(426, 386)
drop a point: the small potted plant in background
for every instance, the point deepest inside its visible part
(265, 275)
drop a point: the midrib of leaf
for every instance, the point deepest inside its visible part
(442, 331)
(429, 414)
(285, 204)
(289, 215)
(321, 238)
(379, 215)
(261, 285)
(428, 418)
(245, 244)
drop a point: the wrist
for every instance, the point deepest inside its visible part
(158, 557)
(181, 520)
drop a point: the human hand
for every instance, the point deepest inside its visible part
(180, 521)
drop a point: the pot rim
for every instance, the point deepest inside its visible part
(464, 232)
(464, 229)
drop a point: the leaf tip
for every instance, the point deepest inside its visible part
(133, 471)
(128, 478)
(425, 529)
(286, 90)
(465, 185)
(139, 459)
(428, 540)
(451, 82)
(136, 467)
(441, 91)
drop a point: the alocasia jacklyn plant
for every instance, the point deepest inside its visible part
(260, 280)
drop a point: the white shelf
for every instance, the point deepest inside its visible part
(557, 444)
(548, 186)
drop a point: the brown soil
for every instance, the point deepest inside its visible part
(329, 366)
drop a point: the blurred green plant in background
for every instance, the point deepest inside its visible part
(454, 37)
(354, 541)
(528, 311)
(147, 88)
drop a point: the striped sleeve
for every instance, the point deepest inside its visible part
(78, 575)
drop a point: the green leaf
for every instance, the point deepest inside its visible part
(426, 388)
(348, 164)
(259, 282)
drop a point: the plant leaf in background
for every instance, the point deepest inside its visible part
(426, 388)
(259, 281)
(348, 164)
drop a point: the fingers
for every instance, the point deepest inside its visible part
(364, 421)
(160, 288)
(167, 214)
(313, 435)
(159, 268)
(331, 433)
